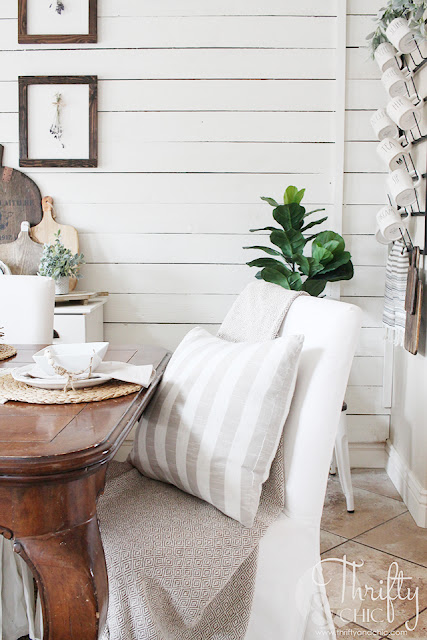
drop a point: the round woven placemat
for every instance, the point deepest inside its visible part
(6, 351)
(20, 392)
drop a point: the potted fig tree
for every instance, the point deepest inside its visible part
(288, 262)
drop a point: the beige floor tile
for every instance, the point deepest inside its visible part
(419, 633)
(371, 510)
(400, 537)
(329, 540)
(375, 480)
(372, 575)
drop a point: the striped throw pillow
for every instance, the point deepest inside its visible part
(214, 425)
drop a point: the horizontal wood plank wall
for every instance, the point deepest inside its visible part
(204, 107)
(364, 195)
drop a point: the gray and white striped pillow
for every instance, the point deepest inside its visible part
(214, 426)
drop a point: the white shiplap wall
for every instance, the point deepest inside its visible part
(205, 106)
(364, 194)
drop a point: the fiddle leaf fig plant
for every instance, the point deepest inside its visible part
(58, 262)
(289, 266)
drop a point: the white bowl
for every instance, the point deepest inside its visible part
(72, 357)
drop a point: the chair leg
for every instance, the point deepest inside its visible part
(343, 462)
(333, 467)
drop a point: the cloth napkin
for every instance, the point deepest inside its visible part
(137, 374)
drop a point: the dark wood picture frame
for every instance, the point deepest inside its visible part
(24, 159)
(50, 38)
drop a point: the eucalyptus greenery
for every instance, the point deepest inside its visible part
(290, 268)
(412, 10)
(58, 262)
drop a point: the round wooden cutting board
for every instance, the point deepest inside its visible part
(20, 200)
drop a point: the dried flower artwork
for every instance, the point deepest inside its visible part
(58, 6)
(56, 127)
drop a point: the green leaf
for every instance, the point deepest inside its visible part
(295, 281)
(331, 240)
(282, 215)
(265, 229)
(321, 254)
(313, 224)
(293, 196)
(345, 272)
(314, 211)
(271, 275)
(299, 196)
(315, 267)
(290, 194)
(314, 287)
(271, 252)
(270, 201)
(342, 258)
(270, 262)
(281, 240)
(303, 263)
(297, 241)
(289, 216)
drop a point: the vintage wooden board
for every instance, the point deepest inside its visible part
(413, 323)
(22, 256)
(20, 200)
(45, 231)
(412, 282)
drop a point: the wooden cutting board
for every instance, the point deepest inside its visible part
(412, 282)
(22, 256)
(45, 232)
(20, 200)
(413, 323)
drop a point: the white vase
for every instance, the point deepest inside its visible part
(62, 285)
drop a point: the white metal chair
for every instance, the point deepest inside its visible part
(26, 313)
(341, 459)
(27, 308)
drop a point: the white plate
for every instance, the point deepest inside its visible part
(23, 374)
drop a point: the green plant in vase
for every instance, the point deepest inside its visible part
(60, 263)
(288, 264)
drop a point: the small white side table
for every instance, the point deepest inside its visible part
(80, 322)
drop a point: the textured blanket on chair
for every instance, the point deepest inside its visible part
(178, 568)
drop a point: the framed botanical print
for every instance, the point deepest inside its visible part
(57, 21)
(58, 121)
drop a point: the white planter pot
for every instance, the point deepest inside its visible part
(62, 285)
(400, 35)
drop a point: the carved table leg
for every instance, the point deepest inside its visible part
(55, 530)
(70, 571)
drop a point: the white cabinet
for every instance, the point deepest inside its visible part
(80, 322)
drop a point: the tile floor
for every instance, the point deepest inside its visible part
(379, 533)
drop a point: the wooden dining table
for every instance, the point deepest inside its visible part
(53, 460)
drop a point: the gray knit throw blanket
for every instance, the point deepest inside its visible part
(178, 568)
(396, 275)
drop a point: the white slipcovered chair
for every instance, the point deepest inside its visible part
(288, 603)
(26, 309)
(26, 313)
